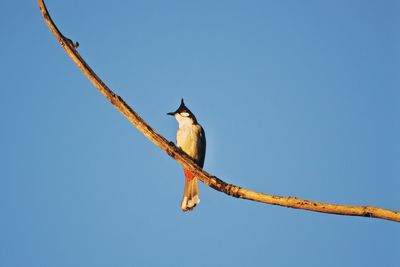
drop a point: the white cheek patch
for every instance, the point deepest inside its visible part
(185, 114)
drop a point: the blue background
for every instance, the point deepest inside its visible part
(297, 98)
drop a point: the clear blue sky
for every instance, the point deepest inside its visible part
(297, 98)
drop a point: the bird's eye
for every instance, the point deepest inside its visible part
(185, 114)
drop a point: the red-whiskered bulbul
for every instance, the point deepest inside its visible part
(191, 138)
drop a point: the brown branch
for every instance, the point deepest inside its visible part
(187, 163)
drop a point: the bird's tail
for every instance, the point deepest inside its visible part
(191, 192)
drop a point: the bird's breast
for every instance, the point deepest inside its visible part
(188, 138)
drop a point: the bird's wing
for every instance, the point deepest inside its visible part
(201, 147)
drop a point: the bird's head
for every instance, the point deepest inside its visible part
(183, 114)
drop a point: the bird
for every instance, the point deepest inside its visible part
(191, 138)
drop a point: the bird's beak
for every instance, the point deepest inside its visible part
(171, 113)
